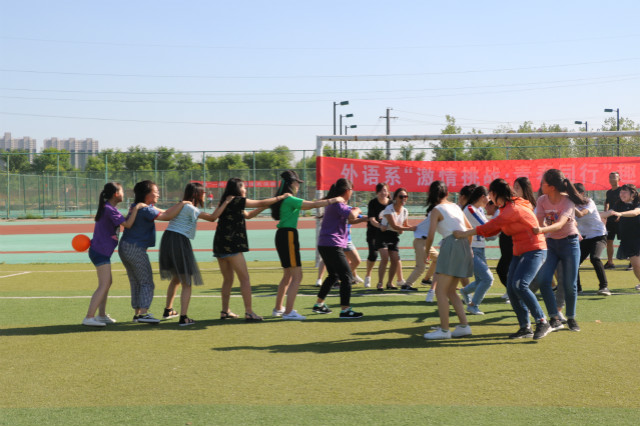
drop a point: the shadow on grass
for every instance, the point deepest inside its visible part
(414, 340)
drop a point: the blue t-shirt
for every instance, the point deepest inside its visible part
(143, 231)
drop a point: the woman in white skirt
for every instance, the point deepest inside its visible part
(455, 260)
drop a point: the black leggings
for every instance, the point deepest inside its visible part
(592, 248)
(337, 270)
(371, 243)
(506, 254)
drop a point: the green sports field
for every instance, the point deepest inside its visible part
(376, 370)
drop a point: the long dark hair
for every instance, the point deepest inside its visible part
(141, 190)
(437, 191)
(635, 197)
(232, 189)
(527, 189)
(555, 178)
(339, 188)
(501, 189)
(110, 189)
(398, 191)
(193, 192)
(479, 191)
(286, 187)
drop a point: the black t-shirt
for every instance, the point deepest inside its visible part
(628, 227)
(373, 210)
(231, 232)
(612, 198)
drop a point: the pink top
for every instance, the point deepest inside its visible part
(551, 213)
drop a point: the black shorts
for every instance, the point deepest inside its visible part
(389, 240)
(612, 230)
(288, 247)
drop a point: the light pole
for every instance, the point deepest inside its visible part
(334, 119)
(617, 124)
(586, 140)
(346, 148)
(346, 116)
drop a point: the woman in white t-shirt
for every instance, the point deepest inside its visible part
(394, 220)
(454, 262)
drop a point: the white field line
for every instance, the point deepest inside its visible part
(13, 275)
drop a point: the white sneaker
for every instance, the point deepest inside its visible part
(277, 312)
(293, 315)
(438, 335)
(430, 296)
(461, 331)
(638, 287)
(367, 282)
(358, 279)
(106, 319)
(400, 283)
(319, 282)
(93, 322)
(505, 296)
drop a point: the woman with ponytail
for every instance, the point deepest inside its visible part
(454, 262)
(332, 241)
(105, 239)
(556, 218)
(628, 210)
(287, 212)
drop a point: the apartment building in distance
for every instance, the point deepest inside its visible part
(7, 143)
(80, 149)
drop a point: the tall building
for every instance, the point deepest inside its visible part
(80, 149)
(26, 143)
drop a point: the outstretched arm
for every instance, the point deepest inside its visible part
(265, 203)
(172, 211)
(212, 217)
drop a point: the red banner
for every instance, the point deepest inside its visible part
(416, 176)
(247, 183)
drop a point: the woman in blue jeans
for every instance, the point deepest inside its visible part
(517, 220)
(556, 218)
(474, 211)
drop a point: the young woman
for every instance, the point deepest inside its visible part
(556, 218)
(287, 212)
(230, 241)
(105, 240)
(134, 244)
(374, 208)
(177, 262)
(331, 243)
(594, 239)
(517, 220)
(455, 260)
(628, 210)
(395, 220)
(474, 211)
(419, 244)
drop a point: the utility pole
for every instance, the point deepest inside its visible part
(388, 118)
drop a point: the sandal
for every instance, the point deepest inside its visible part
(169, 313)
(185, 320)
(227, 315)
(380, 287)
(391, 287)
(252, 317)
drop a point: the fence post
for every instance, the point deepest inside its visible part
(8, 177)
(254, 175)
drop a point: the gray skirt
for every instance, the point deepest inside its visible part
(456, 258)
(177, 260)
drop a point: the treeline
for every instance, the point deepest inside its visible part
(138, 158)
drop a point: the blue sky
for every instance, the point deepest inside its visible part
(243, 75)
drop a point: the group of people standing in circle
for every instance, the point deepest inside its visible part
(539, 238)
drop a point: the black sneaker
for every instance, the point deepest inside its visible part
(349, 313)
(427, 282)
(407, 287)
(556, 324)
(148, 318)
(524, 332)
(135, 318)
(321, 309)
(604, 292)
(609, 265)
(542, 329)
(573, 325)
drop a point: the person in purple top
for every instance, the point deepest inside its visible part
(105, 239)
(332, 241)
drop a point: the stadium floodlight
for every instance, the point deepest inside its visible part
(617, 110)
(334, 118)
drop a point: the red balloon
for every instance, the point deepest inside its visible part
(80, 242)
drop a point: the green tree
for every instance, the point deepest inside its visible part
(449, 150)
(279, 158)
(51, 160)
(375, 153)
(164, 157)
(406, 153)
(604, 147)
(226, 162)
(18, 160)
(138, 158)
